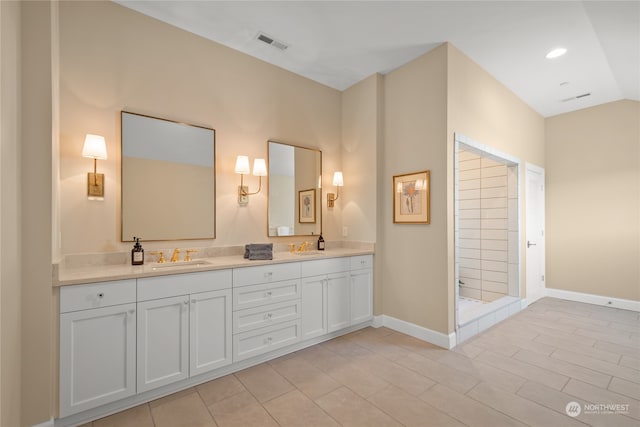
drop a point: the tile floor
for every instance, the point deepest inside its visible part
(523, 371)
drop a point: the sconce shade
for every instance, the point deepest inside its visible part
(259, 167)
(337, 179)
(242, 165)
(94, 147)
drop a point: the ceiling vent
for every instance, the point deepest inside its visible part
(577, 97)
(271, 41)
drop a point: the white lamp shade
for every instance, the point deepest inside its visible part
(242, 165)
(259, 167)
(94, 147)
(338, 181)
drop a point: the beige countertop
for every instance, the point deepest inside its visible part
(65, 275)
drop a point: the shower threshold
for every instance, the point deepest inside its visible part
(490, 312)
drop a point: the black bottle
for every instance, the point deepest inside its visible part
(137, 253)
(321, 243)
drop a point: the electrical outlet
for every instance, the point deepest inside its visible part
(345, 231)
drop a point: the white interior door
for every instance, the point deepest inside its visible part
(535, 243)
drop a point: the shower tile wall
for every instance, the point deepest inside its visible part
(487, 222)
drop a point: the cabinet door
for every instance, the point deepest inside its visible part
(163, 342)
(97, 357)
(314, 306)
(210, 331)
(361, 296)
(338, 305)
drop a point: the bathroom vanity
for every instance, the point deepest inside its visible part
(132, 334)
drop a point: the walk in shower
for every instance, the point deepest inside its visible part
(486, 236)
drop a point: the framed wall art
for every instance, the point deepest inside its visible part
(411, 194)
(307, 206)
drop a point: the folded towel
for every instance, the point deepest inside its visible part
(258, 251)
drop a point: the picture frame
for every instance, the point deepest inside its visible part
(411, 198)
(307, 206)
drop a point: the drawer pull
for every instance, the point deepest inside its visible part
(100, 295)
(268, 274)
(268, 316)
(268, 340)
(268, 294)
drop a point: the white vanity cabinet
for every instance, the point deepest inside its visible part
(97, 344)
(266, 302)
(325, 296)
(361, 297)
(128, 341)
(184, 326)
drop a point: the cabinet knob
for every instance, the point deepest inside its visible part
(101, 295)
(132, 312)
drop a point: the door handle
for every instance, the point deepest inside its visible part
(529, 244)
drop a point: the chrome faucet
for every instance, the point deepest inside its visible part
(176, 253)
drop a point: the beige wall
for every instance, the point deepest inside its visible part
(362, 139)
(112, 58)
(414, 264)
(10, 309)
(593, 200)
(425, 103)
(25, 218)
(36, 99)
(481, 108)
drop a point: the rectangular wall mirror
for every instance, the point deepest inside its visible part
(295, 193)
(168, 179)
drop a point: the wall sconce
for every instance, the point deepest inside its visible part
(338, 181)
(95, 148)
(242, 167)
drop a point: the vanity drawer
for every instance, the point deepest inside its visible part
(324, 266)
(265, 274)
(361, 262)
(94, 295)
(266, 293)
(253, 343)
(266, 315)
(183, 284)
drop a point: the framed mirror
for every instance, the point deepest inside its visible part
(168, 179)
(295, 193)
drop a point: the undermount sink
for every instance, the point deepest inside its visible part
(194, 263)
(307, 253)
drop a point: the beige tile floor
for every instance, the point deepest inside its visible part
(523, 371)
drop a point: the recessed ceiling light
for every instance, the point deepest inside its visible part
(556, 53)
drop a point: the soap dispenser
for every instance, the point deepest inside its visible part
(321, 243)
(137, 253)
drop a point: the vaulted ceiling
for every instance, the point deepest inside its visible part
(338, 43)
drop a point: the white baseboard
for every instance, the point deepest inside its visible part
(625, 304)
(377, 321)
(48, 423)
(420, 332)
